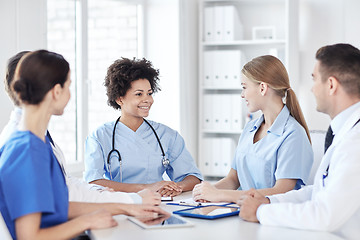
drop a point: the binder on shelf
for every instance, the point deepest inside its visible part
(216, 114)
(208, 23)
(217, 156)
(218, 23)
(236, 58)
(237, 117)
(233, 29)
(222, 68)
(225, 111)
(208, 69)
(218, 153)
(207, 159)
(217, 68)
(227, 152)
(208, 119)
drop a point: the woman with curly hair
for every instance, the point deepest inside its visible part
(132, 153)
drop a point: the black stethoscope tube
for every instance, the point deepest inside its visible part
(165, 161)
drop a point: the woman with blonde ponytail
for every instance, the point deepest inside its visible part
(274, 153)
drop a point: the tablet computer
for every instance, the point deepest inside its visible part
(209, 212)
(161, 221)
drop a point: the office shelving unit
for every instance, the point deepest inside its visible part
(231, 34)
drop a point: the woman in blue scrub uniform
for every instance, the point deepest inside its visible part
(133, 153)
(33, 193)
(274, 152)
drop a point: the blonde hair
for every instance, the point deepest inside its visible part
(270, 70)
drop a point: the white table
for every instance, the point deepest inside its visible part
(219, 229)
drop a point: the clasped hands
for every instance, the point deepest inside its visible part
(249, 203)
(166, 188)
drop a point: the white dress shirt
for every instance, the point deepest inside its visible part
(332, 203)
(79, 190)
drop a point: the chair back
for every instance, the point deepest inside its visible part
(318, 141)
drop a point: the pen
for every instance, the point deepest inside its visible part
(189, 204)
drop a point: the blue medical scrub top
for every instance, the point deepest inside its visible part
(140, 153)
(31, 181)
(284, 153)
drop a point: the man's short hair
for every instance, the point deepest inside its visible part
(341, 61)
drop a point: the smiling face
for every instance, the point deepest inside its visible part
(137, 100)
(251, 94)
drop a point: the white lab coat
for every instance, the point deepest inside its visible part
(332, 204)
(79, 190)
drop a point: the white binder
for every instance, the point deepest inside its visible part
(208, 118)
(207, 160)
(225, 111)
(208, 24)
(227, 152)
(208, 74)
(233, 30)
(217, 156)
(218, 23)
(237, 121)
(217, 111)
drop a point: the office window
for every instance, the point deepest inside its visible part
(112, 34)
(61, 38)
(112, 28)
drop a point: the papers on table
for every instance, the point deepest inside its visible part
(191, 202)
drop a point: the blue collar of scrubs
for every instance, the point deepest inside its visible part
(277, 128)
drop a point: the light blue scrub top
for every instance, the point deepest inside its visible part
(284, 153)
(31, 181)
(140, 153)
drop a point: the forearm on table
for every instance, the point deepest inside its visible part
(188, 183)
(226, 195)
(80, 208)
(281, 186)
(121, 187)
(227, 183)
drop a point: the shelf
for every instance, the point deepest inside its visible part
(223, 88)
(222, 131)
(245, 43)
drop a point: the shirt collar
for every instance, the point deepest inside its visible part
(341, 118)
(277, 128)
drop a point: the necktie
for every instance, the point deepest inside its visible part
(328, 139)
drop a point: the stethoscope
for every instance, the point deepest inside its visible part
(165, 161)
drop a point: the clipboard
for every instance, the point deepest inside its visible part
(209, 211)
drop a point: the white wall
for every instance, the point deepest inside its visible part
(20, 29)
(161, 47)
(323, 22)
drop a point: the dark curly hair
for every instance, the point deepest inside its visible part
(122, 72)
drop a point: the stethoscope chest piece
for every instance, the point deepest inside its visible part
(165, 162)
